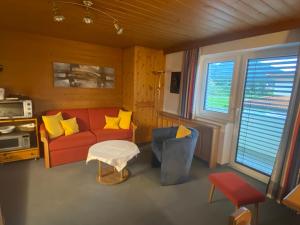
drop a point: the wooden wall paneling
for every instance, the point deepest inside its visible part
(146, 61)
(28, 59)
(204, 145)
(143, 97)
(165, 122)
(128, 78)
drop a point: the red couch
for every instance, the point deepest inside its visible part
(66, 149)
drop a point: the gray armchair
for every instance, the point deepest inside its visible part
(173, 155)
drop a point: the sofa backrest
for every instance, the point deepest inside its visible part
(97, 116)
(81, 115)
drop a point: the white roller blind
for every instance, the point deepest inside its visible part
(268, 88)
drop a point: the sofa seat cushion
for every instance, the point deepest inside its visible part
(112, 134)
(72, 141)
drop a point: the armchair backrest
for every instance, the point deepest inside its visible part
(189, 141)
(194, 136)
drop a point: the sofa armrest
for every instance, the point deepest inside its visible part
(133, 127)
(43, 132)
(45, 141)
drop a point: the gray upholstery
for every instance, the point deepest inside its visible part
(175, 155)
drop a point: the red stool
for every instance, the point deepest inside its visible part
(238, 191)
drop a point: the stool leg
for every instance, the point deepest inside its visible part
(256, 214)
(211, 193)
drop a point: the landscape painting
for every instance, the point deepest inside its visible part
(83, 76)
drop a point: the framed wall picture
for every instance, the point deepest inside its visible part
(175, 82)
(83, 76)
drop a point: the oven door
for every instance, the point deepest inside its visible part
(11, 109)
(9, 143)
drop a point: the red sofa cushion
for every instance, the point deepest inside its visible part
(238, 191)
(112, 134)
(73, 141)
(97, 116)
(81, 115)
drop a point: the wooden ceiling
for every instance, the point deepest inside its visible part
(154, 23)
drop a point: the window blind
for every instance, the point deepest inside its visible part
(218, 86)
(268, 88)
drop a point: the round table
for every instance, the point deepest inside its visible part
(113, 156)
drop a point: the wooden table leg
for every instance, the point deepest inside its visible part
(256, 214)
(100, 170)
(122, 174)
(211, 193)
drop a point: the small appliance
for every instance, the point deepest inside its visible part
(14, 141)
(10, 109)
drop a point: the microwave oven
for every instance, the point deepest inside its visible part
(10, 109)
(14, 141)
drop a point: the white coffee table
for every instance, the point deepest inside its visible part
(114, 154)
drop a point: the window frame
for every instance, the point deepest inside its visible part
(200, 112)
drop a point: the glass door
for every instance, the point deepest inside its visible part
(265, 102)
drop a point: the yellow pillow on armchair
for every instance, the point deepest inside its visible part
(112, 122)
(183, 132)
(53, 126)
(125, 119)
(70, 126)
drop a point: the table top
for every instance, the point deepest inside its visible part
(113, 152)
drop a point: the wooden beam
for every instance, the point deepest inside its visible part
(240, 34)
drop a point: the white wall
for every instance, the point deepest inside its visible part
(173, 64)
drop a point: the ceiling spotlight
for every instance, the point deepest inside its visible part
(119, 30)
(87, 3)
(87, 19)
(57, 16)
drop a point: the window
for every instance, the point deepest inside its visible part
(267, 92)
(218, 86)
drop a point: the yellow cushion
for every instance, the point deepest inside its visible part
(53, 126)
(70, 126)
(182, 132)
(125, 119)
(112, 122)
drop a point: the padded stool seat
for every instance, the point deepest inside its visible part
(238, 191)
